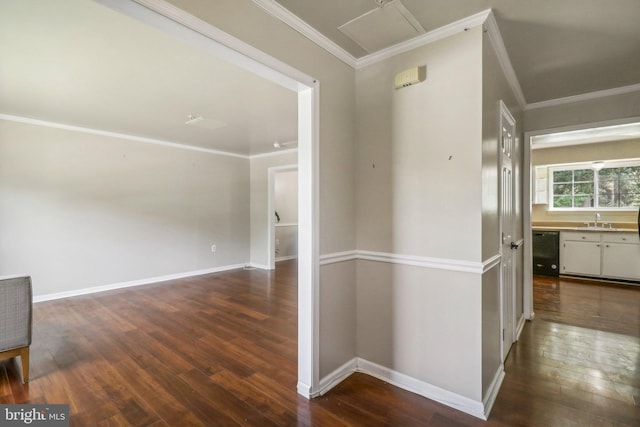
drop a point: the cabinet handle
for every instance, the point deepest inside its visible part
(583, 237)
(607, 245)
(598, 245)
(624, 238)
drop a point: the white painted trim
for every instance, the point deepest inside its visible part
(204, 35)
(276, 10)
(492, 392)
(422, 388)
(124, 136)
(303, 389)
(414, 260)
(286, 258)
(520, 326)
(132, 283)
(424, 39)
(487, 17)
(527, 254)
(492, 262)
(420, 261)
(260, 266)
(286, 224)
(179, 145)
(309, 239)
(583, 97)
(337, 376)
(338, 257)
(495, 37)
(274, 153)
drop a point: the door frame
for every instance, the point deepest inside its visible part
(192, 30)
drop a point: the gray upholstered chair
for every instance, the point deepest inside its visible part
(15, 320)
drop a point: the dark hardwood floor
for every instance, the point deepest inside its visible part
(220, 349)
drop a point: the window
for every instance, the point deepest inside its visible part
(616, 186)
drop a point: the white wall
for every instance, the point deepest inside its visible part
(415, 191)
(80, 210)
(420, 195)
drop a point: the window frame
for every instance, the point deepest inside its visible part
(609, 164)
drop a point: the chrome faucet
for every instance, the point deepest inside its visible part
(597, 218)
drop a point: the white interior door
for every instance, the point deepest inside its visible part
(507, 224)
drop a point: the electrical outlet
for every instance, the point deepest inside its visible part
(213, 248)
(277, 242)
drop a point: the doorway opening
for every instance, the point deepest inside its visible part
(536, 189)
(183, 26)
(282, 214)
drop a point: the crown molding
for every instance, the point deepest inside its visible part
(424, 39)
(495, 37)
(583, 97)
(276, 10)
(99, 132)
(273, 153)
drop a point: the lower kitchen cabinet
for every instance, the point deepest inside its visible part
(621, 260)
(606, 255)
(581, 258)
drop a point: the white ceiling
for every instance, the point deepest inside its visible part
(79, 63)
(558, 48)
(76, 62)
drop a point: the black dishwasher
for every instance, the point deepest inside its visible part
(546, 253)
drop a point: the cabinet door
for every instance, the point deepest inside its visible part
(621, 260)
(581, 258)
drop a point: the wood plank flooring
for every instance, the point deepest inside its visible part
(220, 350)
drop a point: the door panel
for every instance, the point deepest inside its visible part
(507, 225)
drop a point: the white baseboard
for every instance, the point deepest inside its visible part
(260, 266)
(304, 390)
(453, 400)
(520, 326)
(493, 390)
(337, 376)
(430, 391)
(147, 281)
(286, 258)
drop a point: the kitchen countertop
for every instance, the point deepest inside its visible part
(580, 226)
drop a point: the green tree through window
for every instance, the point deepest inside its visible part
(610, 188)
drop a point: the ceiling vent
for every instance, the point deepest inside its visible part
(202, 122)
(384, 26)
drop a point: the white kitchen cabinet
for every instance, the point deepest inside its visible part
(540, 185)
(621, 256)
(581, 258)
(606, 255)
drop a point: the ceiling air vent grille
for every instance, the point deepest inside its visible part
(392, 22)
